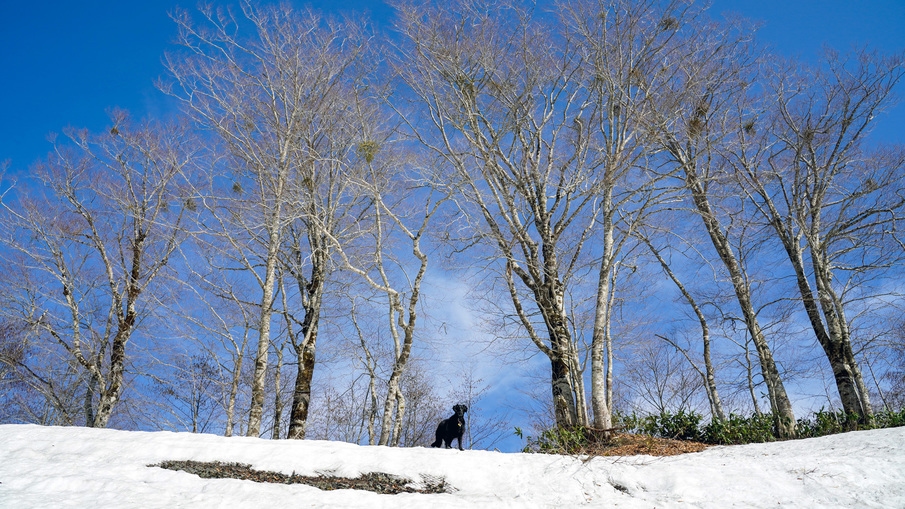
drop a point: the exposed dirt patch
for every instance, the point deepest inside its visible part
(374, 481)
(625, 444)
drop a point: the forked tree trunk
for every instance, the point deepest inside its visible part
(562, 379)
(389, 408)
(600, 370)
(837, 345)
(833, 335)
(112, 391)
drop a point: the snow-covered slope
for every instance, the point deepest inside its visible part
(43, 467)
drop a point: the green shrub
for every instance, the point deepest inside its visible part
(738, 429)
(822, 423)
(557, 441)
(889, 419)
(679, 426)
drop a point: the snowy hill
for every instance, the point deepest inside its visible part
(58, 467)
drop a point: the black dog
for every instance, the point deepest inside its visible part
(451, 428)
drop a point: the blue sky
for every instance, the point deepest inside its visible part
(65, 63)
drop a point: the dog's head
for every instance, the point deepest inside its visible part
(460, 410)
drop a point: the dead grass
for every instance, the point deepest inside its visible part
(625, 444)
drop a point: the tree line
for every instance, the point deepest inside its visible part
(660, 208)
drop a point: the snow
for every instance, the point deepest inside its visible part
(81, 467)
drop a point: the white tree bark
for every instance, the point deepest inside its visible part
(279, 102)
(112, 218)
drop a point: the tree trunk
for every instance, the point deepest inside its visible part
(89, 399)
(563, 402)
(400, 415)
(713, 396)
(372, 411)
(832, 337)
(837, 345)
(781, 406)
(369, 413)
(603, 418)
(305, 350)
(258, 382)
(301, 396)
(749, 372)
(389, 405)
(550, 301)
(233, 392)
(110, 394)
(277, 399)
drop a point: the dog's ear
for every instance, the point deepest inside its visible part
(464, 408)
(456, 408)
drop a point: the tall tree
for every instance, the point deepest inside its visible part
(279, 99)
(395, 221)
(707, 374)
(716, 65)
(502, 108)
(219, 320)
(803, 158)
(623, 42)
(93, 234)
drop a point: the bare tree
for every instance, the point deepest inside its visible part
(279, 100)
(894, 397)
(97, 230)
(485, 426)
(394, 220)
(707, 374)
(189, 395)
(368, 357)
(502, 108)
(661, 381)
(716, 67)
(40, 385)
(424, 407)
(804, 162)
(622, 43)
(220, 321)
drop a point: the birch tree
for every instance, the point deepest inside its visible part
(716, 65)
(219, 321)
(395, 220)
(622, 43)
(275, 98)
(829, 198)
(498, 102)
(94, 233)
(708, 373)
